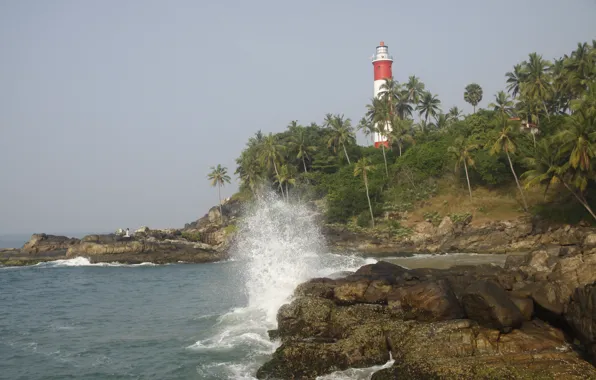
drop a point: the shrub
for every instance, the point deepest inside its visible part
(193, 236)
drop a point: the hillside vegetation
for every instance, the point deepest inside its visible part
(531, 152)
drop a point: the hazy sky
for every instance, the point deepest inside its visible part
(112, 112)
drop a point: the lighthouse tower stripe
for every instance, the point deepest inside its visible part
(382, 62)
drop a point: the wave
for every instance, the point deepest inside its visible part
(84, 262)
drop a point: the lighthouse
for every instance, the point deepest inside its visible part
(382, 62)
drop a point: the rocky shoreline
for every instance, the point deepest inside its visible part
(533, 319)
(463, 236)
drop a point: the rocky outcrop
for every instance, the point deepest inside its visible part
(42, 243)
(463, 322)
(157, 246)
(520, 235)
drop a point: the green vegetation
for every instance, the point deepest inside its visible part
(533, 150)
(218, 177)
(191, 236)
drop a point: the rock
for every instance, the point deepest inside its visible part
(334, 324)
(427, 301)
(446, 227)
(42, 243)
(590, 240)
(463, 350)
(525, 306)
(487, 303)
(142, 230)
(581, 316)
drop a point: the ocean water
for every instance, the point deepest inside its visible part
(70, 319)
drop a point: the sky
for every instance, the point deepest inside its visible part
(112, 112)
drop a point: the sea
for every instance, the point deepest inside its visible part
(70, 319)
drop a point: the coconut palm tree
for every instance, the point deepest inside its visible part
(579, 140)
(546, 163)
(505, 143)
(454, 113)
(537, 84)
(363, 167)
(271, 154)
(441, 121)
(461, 152)
(367, 128)
(415, 89)
(401, 133)
(403, 108)
(503, 104)
(429, 106)
(300, 146)
(342, 133)
(515, 78)
(389, 92)
(218, 177)
(473, 94)
(287, 175)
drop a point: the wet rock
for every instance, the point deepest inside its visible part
(488, 304)
(427, 301)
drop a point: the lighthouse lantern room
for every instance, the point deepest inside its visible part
(382, 62)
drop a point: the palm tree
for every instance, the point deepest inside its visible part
(461, 151)
(429, 106)
(218, 177)
(506, 144)
(454, 113)
(401, 134)
(271, 154)
(503, 104)
(473, 94)
(363, 167)
(299, 144)
(515, 78)
(403, 108)
(342, 133)
(367, 128)
(441, 121)
(249, 170)
(286, 176)
(545, 162)
(579, 140)
(328, 119)
(537, 86)
(389, 92)
(415, 89)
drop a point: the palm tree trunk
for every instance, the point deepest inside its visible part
(219, 195)
(517, 182)
(385, 158)
(372, 217)
(287, 193)
(346, 152)
(468, 179)
(304, 163)
(474, 108)
(581, 200)
(277, 173)
(399, 145)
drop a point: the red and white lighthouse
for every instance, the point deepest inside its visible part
(382, 62)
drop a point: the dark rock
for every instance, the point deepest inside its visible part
(488, 304)
(42, 243)
(427, 301)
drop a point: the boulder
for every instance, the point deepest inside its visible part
(426, 301)
(42, 243)
(590, 240)
(581, 316)
(446, 227)
(488, 304)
